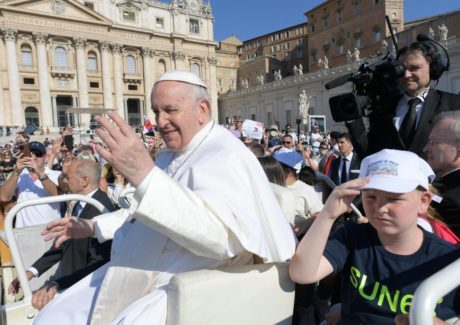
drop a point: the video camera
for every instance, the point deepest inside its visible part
(371, 83)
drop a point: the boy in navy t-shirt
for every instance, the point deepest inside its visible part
(384, 261)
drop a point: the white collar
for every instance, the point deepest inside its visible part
(90, 194)
(197, 138)
(421, 96)
(349, 156)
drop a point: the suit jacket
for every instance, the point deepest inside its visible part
(78, 257)
(449, 208)
(383, 134)
(335, 165)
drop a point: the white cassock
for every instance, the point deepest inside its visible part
(215, 208)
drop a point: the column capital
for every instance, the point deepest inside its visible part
(116, 48)
(147, 52)
(40, 38)
(79, 42)
(9, 34)
(105, 46)
(177, 55)
(212, 60)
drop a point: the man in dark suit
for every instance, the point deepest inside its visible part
(341, 167)
(78, 257)
(443, 155)
(404, 122)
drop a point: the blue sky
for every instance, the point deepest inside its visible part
(251, 18)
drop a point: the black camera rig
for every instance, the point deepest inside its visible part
(376, 85)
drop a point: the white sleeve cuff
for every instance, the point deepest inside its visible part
(33, 270)
(142, 188)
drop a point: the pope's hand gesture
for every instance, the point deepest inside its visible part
(68, 228)
(125, 152)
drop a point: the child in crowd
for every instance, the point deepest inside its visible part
(384, 261)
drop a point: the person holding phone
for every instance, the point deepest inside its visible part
(31, 180)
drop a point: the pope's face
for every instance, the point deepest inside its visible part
(178, 113)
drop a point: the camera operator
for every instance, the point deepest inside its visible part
(404, 123)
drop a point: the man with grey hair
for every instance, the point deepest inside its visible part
(443, 155)
(192, 213)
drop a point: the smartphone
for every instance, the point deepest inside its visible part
(68, 141)
(26, 150)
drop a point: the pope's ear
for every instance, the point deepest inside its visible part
(205, 110)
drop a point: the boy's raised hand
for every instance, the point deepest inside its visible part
(341, 197)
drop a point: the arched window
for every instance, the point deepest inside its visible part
(92, 61)
(60, 57)
(130, 63)
(161, 68)
(31, 114)
(196, 70)
(26, 55)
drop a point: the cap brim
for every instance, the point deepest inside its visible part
(390, 185)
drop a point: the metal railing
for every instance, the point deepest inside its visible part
(326, 179)
(9, 232)
(430, 291)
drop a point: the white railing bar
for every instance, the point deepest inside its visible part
(15, 254)
(431, 290)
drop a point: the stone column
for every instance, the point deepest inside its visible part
(125, 109)
(80, 120)
(178, 59)
(17, 112)
(149, 75)
(5, 116)
(212, 86)
(106, 79)
(118, 79)
(43, 81)
(54, 110)
(82, 80)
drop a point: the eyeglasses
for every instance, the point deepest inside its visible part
(324, 148)
(433, 142)
(286, 142)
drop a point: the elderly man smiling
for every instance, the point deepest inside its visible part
(204, 203)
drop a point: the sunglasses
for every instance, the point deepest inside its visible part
(286, 142)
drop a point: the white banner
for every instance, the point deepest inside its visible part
(253, 129)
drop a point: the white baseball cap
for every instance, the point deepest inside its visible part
(395, 171)
(182, 76)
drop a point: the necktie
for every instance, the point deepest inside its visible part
(77, 209)
(343, 177)
(407, 128)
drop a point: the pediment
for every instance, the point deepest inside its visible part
(66, 9)
(129, 4)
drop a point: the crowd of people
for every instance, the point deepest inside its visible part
(206, 197)
(14, 130)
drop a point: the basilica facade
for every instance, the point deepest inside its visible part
(97, 54)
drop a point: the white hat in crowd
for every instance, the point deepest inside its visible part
(395, 171)
(182, 76)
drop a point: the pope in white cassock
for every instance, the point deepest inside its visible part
(204, 203)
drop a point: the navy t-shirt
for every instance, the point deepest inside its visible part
(378, 285)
